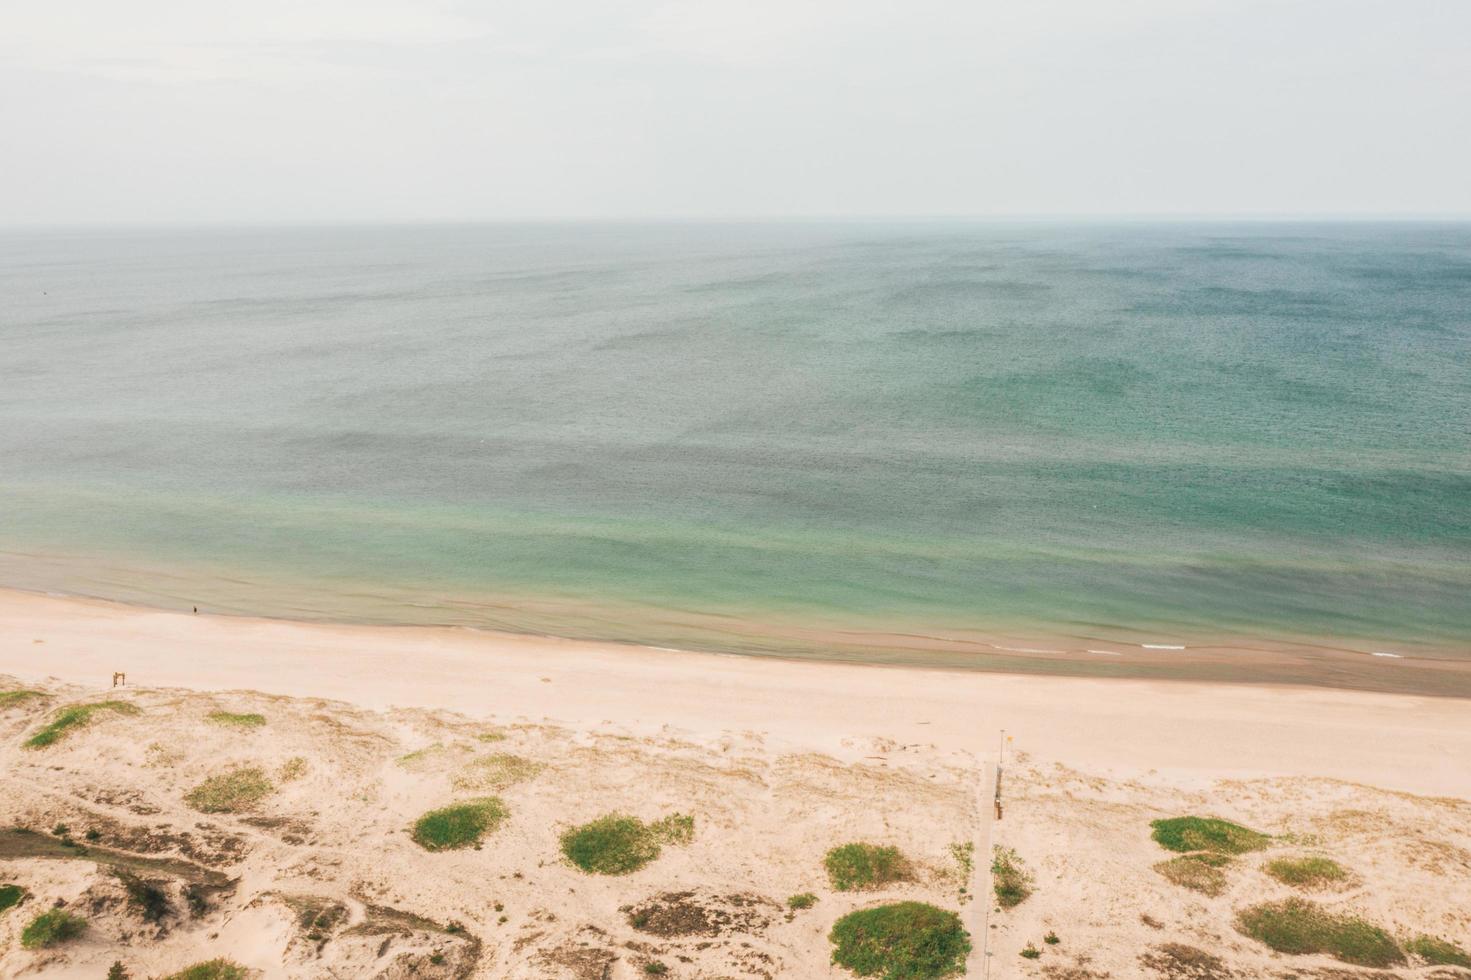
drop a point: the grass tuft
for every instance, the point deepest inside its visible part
(234, 720)
(291, 770)
(220, 969)
(803, 901)
(495, 772)
(1010, 880)
(1206, 834)
(618, 844)
(1438, 952)
(860, 866)
(9, 699)
(1200, 872)
(1299, 927)
(904, 941)
(230, 792)
(1309, 872)
(76, 716)
(11, 896)
(52, 928)
(459, 825)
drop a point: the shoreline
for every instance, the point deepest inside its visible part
(1324, 664)
(1198, 730)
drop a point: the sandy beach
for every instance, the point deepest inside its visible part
(362, 729)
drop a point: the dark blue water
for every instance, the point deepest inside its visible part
(753, 437)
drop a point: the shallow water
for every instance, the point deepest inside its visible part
(753, 437)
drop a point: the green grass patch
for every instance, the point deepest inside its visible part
(1300, 927)
(11, 896)
(495, 772)
(51, 929)
(1309, 872)
(803, 901)
(1010, 879)
(459, 825)
(1438, 952)
(1206, 834)
(74, 717)
(904, 941)
(9, 699)
(233, 720)
(1199, 872)
(220, 969)
(230, 792)
(618, 844)
(859, 866)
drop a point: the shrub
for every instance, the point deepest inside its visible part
(859, 866)
(803, 901)
(1031, 952)
(76, 716)
(1299, 927)
(1051, 939)
(117, 971)
(230, 792)
(1199, 872)
(1438, 952)
(51, 928)
(617, 844)
(11, 896)
(1206, 834)
(236, 721)
(145, 896)
(655, 969)
(459, 825)
(1011, 881)
(904, 941)
(1310, 872)
(220, 969)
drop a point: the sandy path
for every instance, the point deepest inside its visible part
(1198, 731)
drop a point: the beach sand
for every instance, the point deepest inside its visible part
(776, 761)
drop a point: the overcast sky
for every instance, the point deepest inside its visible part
(363, 110)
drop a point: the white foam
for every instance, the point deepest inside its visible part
(1107, 653)
(1160, 646)
(1380, 653)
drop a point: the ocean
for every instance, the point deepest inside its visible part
(896, 441)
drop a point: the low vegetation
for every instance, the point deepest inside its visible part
(11, 698)
(1298, 927)
(145, 897)
(904, 941)
(51, 929)
(1207, 834)
(1200, 872)
(292, 769)
(230, 792)
(803, 901)
(220, 969)
(11, 896)
(860, 866)
(1009, 878)
(459, 825)
(73, 717)
(495, 772)
(1031, 952)
(233, 720)
(618, 844)
(1308, 872)
(1438, 952)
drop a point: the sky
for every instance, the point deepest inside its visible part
(198, 111)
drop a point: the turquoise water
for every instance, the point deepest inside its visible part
(753, 437)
